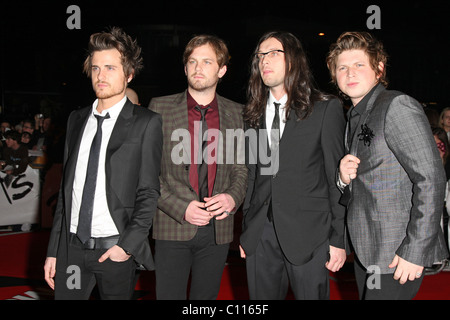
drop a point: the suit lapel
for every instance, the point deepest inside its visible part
(124, 122)
(289, 126)
(225, 118)
(363, 119)
(225, 122)
(179, 112)
(73, 145)
(75, 138)
(120, 132)
(177, 118)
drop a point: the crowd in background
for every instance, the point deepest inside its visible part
(35, 142)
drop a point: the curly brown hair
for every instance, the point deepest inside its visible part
(355, 40)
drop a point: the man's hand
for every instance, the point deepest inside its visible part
(405, 270)
(241, 250)
(196, 214)
(116, 254)
(219, 204)
(348, 168)
(337, 259)
(49, 271)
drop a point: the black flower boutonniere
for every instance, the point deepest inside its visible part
(366, 135)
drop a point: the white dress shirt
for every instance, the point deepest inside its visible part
(102, 222)
(270, 114)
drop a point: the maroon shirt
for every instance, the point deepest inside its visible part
(212, 120)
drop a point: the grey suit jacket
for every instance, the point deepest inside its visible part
(397, 197)
(133, 159)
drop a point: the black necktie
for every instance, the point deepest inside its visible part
(202, 166)
(274, 142)
(353, 120)
(275, 130)
(87, 200)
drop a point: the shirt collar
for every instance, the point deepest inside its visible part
(113, 111)
(272, 99)
(362, 105)
(192, 103)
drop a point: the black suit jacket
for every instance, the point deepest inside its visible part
(132, 165)
(303, 193)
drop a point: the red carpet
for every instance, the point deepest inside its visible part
(23, 256)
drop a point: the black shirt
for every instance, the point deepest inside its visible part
(355, 112)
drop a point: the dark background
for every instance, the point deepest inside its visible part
(41, 59)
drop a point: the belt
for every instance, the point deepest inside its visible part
(94, 243)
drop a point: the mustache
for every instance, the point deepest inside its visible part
(101, 82)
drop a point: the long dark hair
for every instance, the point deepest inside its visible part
(298, 82)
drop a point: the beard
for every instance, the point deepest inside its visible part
(109, 91)
(202, 84)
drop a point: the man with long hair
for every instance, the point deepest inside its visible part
(392, 178)
(194, 223)
(293, 228)
(110, 184)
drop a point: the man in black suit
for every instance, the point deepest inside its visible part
(293, 228)
(105, 209)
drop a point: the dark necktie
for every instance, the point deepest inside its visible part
(202, 166)
(353, 120)
(275, 130)
(274, 142)
(87, 200)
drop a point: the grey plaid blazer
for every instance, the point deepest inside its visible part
(397, 198)
(176, 190)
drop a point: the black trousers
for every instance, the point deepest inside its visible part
(269, 273)
(199, 257)
(77, 279)
(385, 287)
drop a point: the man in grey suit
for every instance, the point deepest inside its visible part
(392, 178)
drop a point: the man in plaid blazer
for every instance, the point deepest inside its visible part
(192, 234)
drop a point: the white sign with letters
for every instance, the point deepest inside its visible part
(19, 198)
